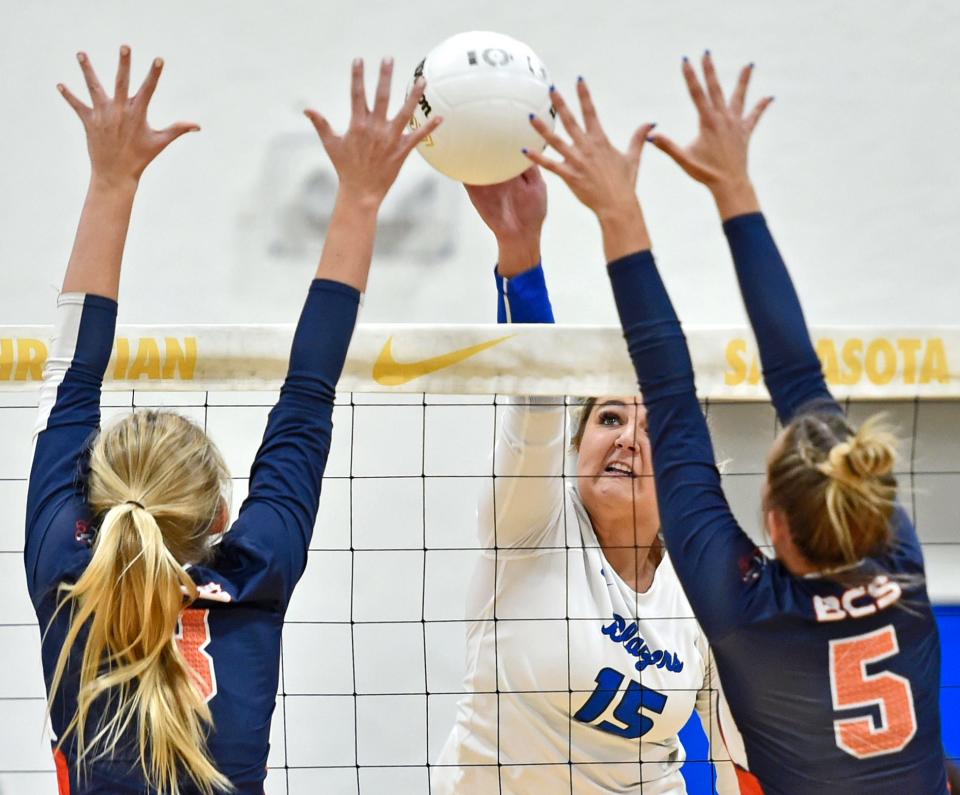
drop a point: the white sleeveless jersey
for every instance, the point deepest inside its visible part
(575, 683)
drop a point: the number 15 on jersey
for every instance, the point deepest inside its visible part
(629, 710)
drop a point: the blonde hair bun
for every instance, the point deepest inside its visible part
(870, 453)
(873, 450)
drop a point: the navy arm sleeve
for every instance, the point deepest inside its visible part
(57, 539)
(524, 298)
(791, 369)
(709, 550)
(265, 552)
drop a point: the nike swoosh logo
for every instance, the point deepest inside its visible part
(387, 371)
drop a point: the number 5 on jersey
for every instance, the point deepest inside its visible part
(193, 636)
(853, 687)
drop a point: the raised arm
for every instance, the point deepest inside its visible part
(717, 158)
(700, 531)
(276, 520)
(527, 500)
(713, 557)
(121, 144)
(515, 211)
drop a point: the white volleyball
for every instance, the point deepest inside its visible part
(485, 86)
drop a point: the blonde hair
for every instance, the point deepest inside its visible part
(836, 487)
(157, 481)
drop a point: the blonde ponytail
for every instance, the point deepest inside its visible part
(836, 487)
(156, 480)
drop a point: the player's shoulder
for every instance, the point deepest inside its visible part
(59, 548)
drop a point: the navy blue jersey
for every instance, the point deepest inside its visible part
(231, 635)
(832, 689)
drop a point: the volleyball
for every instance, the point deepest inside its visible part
(485, 86)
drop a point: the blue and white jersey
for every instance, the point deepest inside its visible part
(832, 689)
(231, 635)
(575, 683)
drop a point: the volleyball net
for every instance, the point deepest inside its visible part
(374, 643)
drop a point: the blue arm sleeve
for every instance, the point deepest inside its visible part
(791, 370)
(709, 550)
(68, 418)
(266, 550)
(524, 298)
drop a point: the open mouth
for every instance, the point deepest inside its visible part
(619, 470)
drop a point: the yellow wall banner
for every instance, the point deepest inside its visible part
(880, 363)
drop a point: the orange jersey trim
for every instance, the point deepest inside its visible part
(63, 774)
(749, 783)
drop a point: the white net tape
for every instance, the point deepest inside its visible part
(870, 363)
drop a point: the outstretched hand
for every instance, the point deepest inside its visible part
(514, 211)
(600, 175)
(120, 141)
(367, 159)
(368, 156)
(717, 157)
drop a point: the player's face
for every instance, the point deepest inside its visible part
(615, 467)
